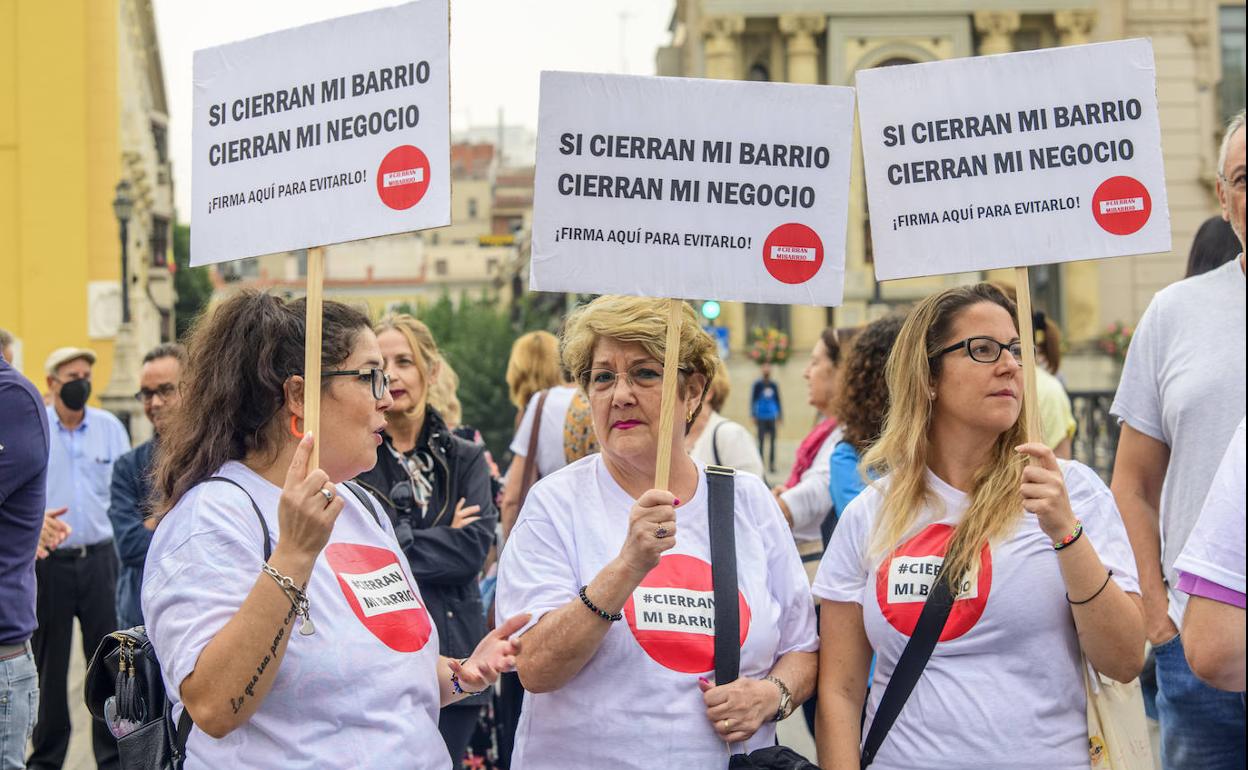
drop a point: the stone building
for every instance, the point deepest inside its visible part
(85, 109)
(1199, 48)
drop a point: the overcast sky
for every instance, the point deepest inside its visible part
(498, 47)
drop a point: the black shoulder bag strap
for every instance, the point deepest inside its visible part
(909, 666)
(359, 492)
(719, 489)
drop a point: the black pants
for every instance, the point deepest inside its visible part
(456, 723)
(767, 428)
(71, 584)
(507, 715)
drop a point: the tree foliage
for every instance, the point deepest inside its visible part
(475, 336)
(193, 285)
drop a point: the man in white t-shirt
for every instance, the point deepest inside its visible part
(1182, 392)
(1211, 572)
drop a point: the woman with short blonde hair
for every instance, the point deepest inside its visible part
(596, 543)
(533, 366)
(1033, 552)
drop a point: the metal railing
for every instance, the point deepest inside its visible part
(1096, 432)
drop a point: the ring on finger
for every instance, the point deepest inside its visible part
(661, 532)
(725, 724)
(328, 494)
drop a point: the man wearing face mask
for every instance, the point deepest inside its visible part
(132, 525)
(79, 576)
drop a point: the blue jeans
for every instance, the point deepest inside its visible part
(19, 704)
(1201, 727)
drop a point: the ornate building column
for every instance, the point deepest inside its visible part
(800, 47)
(1074, 27)
(722, 46)
(996, 29)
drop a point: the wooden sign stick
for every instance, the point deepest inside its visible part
(667, 412)
(1027, 334)
(312, 353)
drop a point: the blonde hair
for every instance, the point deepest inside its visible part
(443, 394)
(901, 452)
(424, 350)
(533, 366)
(640, 320)
(717, 392)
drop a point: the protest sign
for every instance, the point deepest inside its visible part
(320, 134)
(673, 187)
(1012, 160)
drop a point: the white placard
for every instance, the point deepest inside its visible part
(1013, 160)
(674, 187)
(330, 132)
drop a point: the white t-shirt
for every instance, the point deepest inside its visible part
(1215, 549)
(1004, 687)
(360, 692)
(810, 499)
(737, 448)
(1183, 384)
(636, 703)
(550, 457)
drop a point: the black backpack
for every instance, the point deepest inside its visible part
(124, 685)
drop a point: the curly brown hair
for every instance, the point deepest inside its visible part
(862, 401)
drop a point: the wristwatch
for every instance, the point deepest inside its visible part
(786, 699)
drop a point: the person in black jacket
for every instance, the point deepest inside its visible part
(436, 488)
(160, 394)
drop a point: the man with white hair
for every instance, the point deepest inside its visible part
(1180, 399)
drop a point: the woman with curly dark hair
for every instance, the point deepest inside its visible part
(862, 403)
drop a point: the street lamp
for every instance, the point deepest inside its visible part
(123, 207)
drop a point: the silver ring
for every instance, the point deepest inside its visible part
(661, 532)
(328, 494)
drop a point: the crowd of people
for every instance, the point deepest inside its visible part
(386, 604)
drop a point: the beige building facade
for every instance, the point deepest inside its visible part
(1199, 53)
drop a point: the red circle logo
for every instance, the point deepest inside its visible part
(378, 592)
(904, 579)
(403, 177)
(1121, 205)
(672, 614)
(793, 253)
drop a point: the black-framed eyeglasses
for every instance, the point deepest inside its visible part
(985, 350)
(165, 391)
(377, 379)
(642, 375)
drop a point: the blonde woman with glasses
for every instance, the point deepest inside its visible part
(1033, 552)
(618, 655)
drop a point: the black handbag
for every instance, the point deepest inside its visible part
(720, 499)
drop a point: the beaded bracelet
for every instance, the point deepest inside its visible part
(600, 613)
(1072, 537)
(457, 688)
(1098, 591)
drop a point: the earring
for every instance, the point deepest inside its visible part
(931, 395)
(689, 416)
(294, 427)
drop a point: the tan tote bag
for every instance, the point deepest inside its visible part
(1118, 736)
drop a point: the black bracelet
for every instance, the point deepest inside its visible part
(1098, 591)
(600, 613)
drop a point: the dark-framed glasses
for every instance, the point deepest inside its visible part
(377, 379)
(165, 391)
(642, 375)
(985, 350)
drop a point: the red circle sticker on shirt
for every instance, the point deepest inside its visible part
(672, 614)
(1121, 205)
(793, 253)
(378, 592)
(403, 177)
(904, 579)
